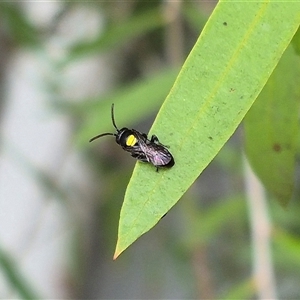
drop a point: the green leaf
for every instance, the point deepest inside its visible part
(224, 73)
(272, 130)
(296, 41)
(287, 247)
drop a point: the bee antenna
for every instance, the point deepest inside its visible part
(100, 135)
(113, 117)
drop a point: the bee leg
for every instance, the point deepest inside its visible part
(143, 159)
(157, 169)
(139, 156)
(154, 139)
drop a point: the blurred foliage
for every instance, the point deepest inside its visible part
(208, 227)
(119, 33)
(16, 26)
(14, 277)
(272, 128)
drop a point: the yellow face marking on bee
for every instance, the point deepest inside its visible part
(131, 140)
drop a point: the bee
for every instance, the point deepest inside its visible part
(139, 146)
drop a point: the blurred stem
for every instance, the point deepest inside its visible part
(198, 246)
(263, 273)
(174, 32)
(205, 287)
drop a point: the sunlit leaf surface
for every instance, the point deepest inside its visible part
(224, 73)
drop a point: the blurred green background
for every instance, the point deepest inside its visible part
(62, 65)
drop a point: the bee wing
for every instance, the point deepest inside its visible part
(158, 155)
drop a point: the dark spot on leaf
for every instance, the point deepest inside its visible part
(210, 137)
(225, 23)
(277, 147)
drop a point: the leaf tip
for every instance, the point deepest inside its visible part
(118, 251)
(116, 255)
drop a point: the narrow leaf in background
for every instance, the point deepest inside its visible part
(13, 276)
(272, 129)
(97, 113)
(120, 33)
(224, 73)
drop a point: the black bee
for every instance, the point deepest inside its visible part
(140, 147)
